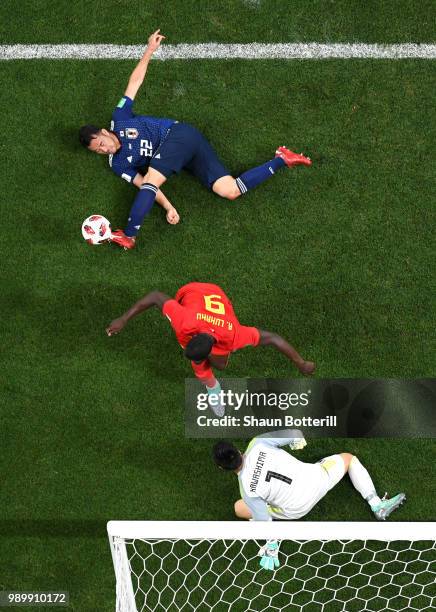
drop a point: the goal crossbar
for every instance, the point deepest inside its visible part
(282, 530)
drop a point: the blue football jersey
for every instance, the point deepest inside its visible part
(139, 135)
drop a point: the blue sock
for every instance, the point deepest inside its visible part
(256, 176)
(141, 206)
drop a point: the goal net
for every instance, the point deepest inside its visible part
(327, 567)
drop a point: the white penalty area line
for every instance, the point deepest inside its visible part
(313, 51)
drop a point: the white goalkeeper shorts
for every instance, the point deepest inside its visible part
(334, 467)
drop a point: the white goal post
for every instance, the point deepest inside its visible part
(172, 566)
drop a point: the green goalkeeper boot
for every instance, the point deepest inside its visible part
(387, 506)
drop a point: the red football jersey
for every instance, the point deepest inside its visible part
(204, 308)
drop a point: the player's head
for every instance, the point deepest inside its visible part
(199, 347)
(227, 456)
(98, 140)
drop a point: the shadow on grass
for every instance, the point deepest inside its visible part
(48, 229)
(67, 138)
(52, 528)
(74, 321)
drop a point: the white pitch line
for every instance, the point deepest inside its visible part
(222, 51)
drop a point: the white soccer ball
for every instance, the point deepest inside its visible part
(96, 229)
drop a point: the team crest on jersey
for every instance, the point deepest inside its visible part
(132, 133)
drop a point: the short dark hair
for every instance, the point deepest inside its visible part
(87, 133)
(227, 456)
(199, 347)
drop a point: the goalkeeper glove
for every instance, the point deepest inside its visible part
(297, 443)
(269, 555)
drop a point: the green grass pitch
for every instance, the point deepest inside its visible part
(336, 257)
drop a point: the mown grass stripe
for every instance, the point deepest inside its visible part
(223, 51)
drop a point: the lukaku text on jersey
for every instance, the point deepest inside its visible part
(140, 137)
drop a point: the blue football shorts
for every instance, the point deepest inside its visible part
(186, 148)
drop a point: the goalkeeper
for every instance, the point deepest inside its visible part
(146, 151)
(276, 485)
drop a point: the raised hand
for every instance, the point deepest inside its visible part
(154, 41)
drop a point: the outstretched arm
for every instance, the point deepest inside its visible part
(257, 508)
(272, 339)
(138, 75)
(155, 298)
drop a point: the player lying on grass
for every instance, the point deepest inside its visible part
(163, 147)
(274, 484)
(206, 327)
